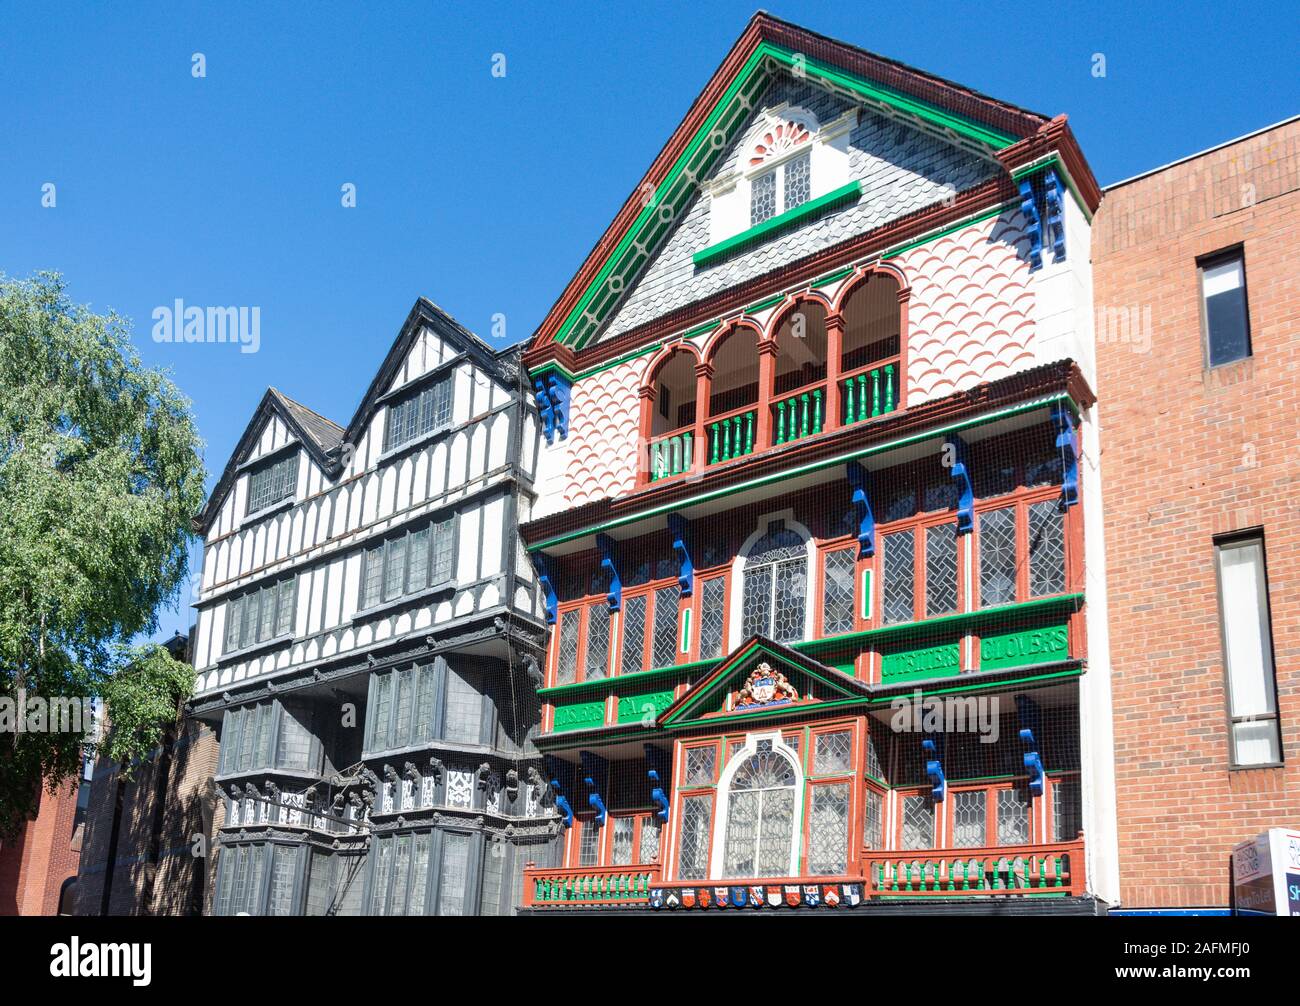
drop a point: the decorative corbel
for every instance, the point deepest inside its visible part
(512, 783)
(542, 563)
(558, 391)
(609, 563)
(560, 776)
(390, 774)
(1028, 713)
(410, 771)
(1067, 442)
(934, 769)
(657, 771)
(1033, 223)
(857, 476)
(679, 528)
(436, 768)
(961, 474)
(595, 771)
(1052, 199)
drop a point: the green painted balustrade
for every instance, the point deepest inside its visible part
(801, 415)
(731, 437)
(594, 886)
(671, 455)
(869, 394)
(955, 872)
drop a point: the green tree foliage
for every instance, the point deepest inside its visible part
(100, 475)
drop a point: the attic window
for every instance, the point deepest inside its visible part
(424, 411)
(272, 482)
(792, 180)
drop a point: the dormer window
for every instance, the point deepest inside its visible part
(272, 482)
(793, 180)
(423, 411)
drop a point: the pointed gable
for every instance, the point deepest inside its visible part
(761, 676)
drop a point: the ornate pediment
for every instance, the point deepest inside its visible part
(765, 686)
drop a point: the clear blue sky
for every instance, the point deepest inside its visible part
(482, 193)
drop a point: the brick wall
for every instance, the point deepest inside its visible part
(34, 866)
(1189, 454)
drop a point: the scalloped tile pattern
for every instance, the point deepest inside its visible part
(603, 430)
(970, 317)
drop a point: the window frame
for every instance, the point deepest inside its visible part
(244, 599)
(385, 545)
(289, 485)
(776, 168)
(443, 382)
(1232, 253)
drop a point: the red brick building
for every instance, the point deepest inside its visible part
(38, 870)
(1196, 268)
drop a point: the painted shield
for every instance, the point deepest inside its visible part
(656, 897)
(756, 897)
(704, 897)
(738, 897)
(764, 689)
(672, 900)
(688, 897)
(792, 897)
(852, 894)
(812, 896)
(831, 895)
(774, 896)
(720, 897)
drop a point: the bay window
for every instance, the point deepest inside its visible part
(404, 710)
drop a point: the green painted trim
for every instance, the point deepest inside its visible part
(830, 278)
(961, 225)
(638, 676)
(839, 459)
(777, 224)
(552, 365)
(643, 351)
(685, 645)
(754, 73)
(763, 305)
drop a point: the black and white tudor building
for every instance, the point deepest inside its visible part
(368, 640)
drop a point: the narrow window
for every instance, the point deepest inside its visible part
(596, 662)
(1223, 296)
(566, 664)
(454, 875)
(997, 541)
(969, 819)
(632, 631)
(798, 179)
(693, 855)
(1248, 651)
(762, 198)
(828, 830)
(713, 604)
(272, 482)
(899, 578)
(873, 821)
(837, 592)
(1046, 548)
(918, 822)
(665, 627)
(624, 832)
(941, 570)
(1013, 816)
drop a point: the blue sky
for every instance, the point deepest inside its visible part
(481, 192)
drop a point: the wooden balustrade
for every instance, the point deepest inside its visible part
(671, 455)
(1055, 868)
(588, 885)
(869, 393)
(731, 436)
(797, 416)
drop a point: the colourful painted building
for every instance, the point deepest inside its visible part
(818, 513)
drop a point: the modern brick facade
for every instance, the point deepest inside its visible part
(1192, 453)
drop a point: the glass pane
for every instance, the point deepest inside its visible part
(383, 712)
(401, 875)
(693, 854)
(624, 833)
(454, 874)
(798, 180)
(1247, 636)
(419, 874)
(918, 822)
(418, 575)
(699, 766)
(294, 749)
(632, 631)
(422, 728)
(1013, 816)
(742, 834)
(285, 608)
(762, 198)
(596, 663)
(1067, 810)
(405, 699)
(651, 829)
(665, 627)
(266, 622)
(837, 592)
(444, 538)
(395, 569)
(833, 753)
(941, 570)
(1046, 548)
(775, 832)
(873, 821)
(997, 550)
(382, 876)
(1224, 288)
(567, 662)
(790, 600)
(588, 844)
(828, 831)
(372, 577)
(1256, 743)
(464, 709)
(713, 606)
(897, 598)
(969, 819)
(757, 605)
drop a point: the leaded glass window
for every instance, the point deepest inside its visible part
(588, 844)
(402, 708)
(664, 650)
(898, 589)
(464, 709)
(837, 592)
(1013, 816)
(760, 815)
(828, 829)
(833, 752)
(776, 586)
(918, 822)
(1046, 548)
(424, 411)
(997, 557)
(624, 833)
(272, 482)
(284, 874)
(941, 569)
(408, 563)
(419, 874)
(1067, 810)
(713, 610)
(969, 819)
(596, 660)
(699, 766)
(873, 759)
(651, 832)
(873, 821)
(762, 198)
(632, 630)
(261, 614)
(566, 665)
(693, 853)
(798, 177)
(454, 875)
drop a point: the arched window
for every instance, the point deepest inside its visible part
(776, 586)
(732, 425)
(870, 350)
(672, 416)
(760, 814)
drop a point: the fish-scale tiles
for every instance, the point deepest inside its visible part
(603, 432)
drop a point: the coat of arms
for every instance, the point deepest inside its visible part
(765, 687)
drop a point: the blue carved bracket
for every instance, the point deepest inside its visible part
(1028, 713)
(657, 771)
(679, 527)
(857, 476)
(595, 771)
(1055, 214)
(961, 473)
(552, 393)
(934, 769)
(1067, 442)
(560, 775)
(542, 563)
(1033, 223)
(609, 563)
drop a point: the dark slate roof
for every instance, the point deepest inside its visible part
(326, 433)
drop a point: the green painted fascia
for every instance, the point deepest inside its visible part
(637, 677)
(839, 274)
(991, 138)
(781, 222)
(952, 228)
(552, 365)
(832, 462)
(605, 735)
